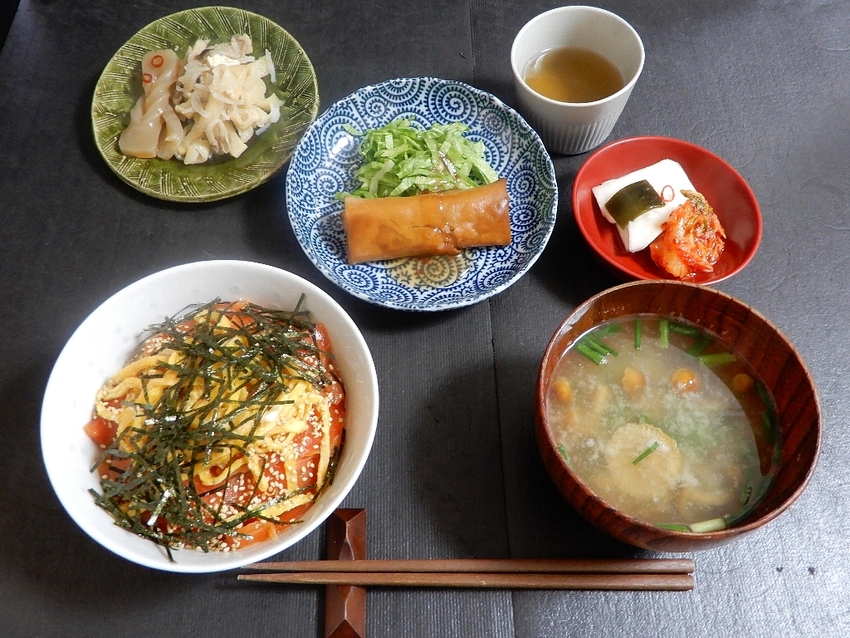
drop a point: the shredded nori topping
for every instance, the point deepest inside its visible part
(264, 350)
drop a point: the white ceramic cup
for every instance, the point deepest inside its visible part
(571, 128)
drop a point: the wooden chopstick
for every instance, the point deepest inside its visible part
(562, 581)
(589, 574)
(486, 565)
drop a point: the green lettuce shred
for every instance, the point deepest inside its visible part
(400, 159)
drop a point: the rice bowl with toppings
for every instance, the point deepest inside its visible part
(106, 340)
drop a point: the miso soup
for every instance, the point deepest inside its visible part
(664, 422)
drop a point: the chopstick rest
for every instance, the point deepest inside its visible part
(345, 603)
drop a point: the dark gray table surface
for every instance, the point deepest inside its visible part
(454, 471)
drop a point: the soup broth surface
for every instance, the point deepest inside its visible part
(573, 74)
(669, 426)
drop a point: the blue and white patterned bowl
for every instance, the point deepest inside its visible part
(324, 162)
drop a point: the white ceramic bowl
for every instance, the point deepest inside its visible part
(571, 128)
(102, 344)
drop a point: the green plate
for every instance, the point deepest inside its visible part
(120, 86)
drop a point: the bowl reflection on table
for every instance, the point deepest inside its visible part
(723, 187)
(752, 337)
(110, 334)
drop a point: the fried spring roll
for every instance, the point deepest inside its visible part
(430, 224)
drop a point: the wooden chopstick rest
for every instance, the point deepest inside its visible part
(345, 603)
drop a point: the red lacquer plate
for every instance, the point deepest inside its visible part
(724, 188)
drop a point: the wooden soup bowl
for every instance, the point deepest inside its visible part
(743, 330)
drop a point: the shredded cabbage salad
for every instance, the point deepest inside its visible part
(400, 159)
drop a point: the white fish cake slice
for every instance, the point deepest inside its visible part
(640, 232)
